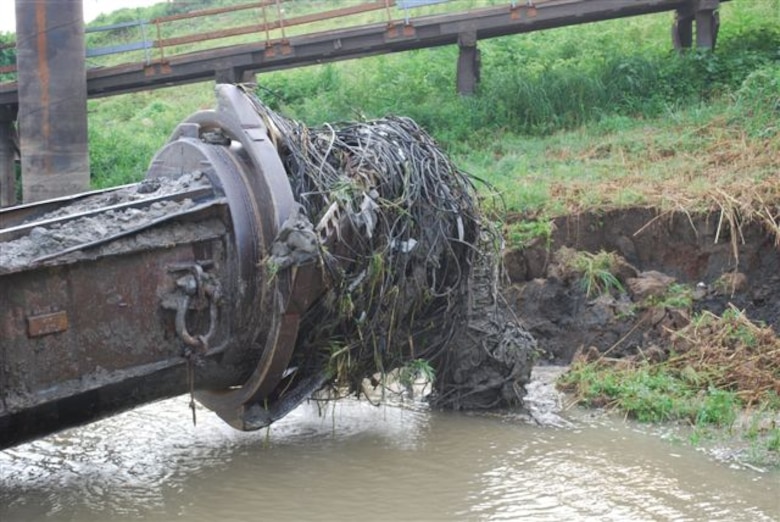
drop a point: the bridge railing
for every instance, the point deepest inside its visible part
(272, 21)
(145, 44)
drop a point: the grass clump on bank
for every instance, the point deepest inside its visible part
(596, 272)
(718, 372)
(524, 233)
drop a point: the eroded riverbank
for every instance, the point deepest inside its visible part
(666, 316)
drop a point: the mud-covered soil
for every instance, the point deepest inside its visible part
(659, 248)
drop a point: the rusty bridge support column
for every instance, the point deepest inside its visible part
(468, 63)
(7, 161)
(52, 123)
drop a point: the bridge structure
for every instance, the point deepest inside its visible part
(43, 116)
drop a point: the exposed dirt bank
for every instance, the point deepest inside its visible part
(720, 265)
(669, 269)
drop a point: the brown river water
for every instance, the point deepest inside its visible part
(354, 461)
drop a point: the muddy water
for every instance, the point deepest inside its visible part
(358, 462)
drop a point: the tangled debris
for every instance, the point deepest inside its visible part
(410, 262)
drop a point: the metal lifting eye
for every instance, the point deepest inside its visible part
(196, 284)
(196, 341)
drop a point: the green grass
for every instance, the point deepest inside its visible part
(416, 369)
(670, 161)
(557, 112)
(125, 131)
(7, 56)
(525, 233)
(718, 377)
(652, 393)
(597, 272)
(678, 296)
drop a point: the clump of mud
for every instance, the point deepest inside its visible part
(96, 218)
(489, 363)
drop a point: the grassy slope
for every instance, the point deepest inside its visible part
(565, 119)
(686, 159)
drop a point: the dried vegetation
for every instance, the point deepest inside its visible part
(714, 167)
(734, 353)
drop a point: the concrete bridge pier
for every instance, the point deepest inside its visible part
(7, 160)
(52, 79)
(705, 14)
(707, 23)
(682, 29)
(468, 63)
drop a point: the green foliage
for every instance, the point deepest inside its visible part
(772, 400)
(718, 407)
(596, 272)
(533, 85)
(758, 102)
(416, 369)
(653, 393)
(537, 83)
(651, 397)
(175, 8)
(773, 440)
(733, 328)
(522, 234)
(763, 433)
(738, 332)
(677, 296)
(7, 55)
(126, 131)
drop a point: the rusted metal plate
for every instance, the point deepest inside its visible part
(47, 324)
